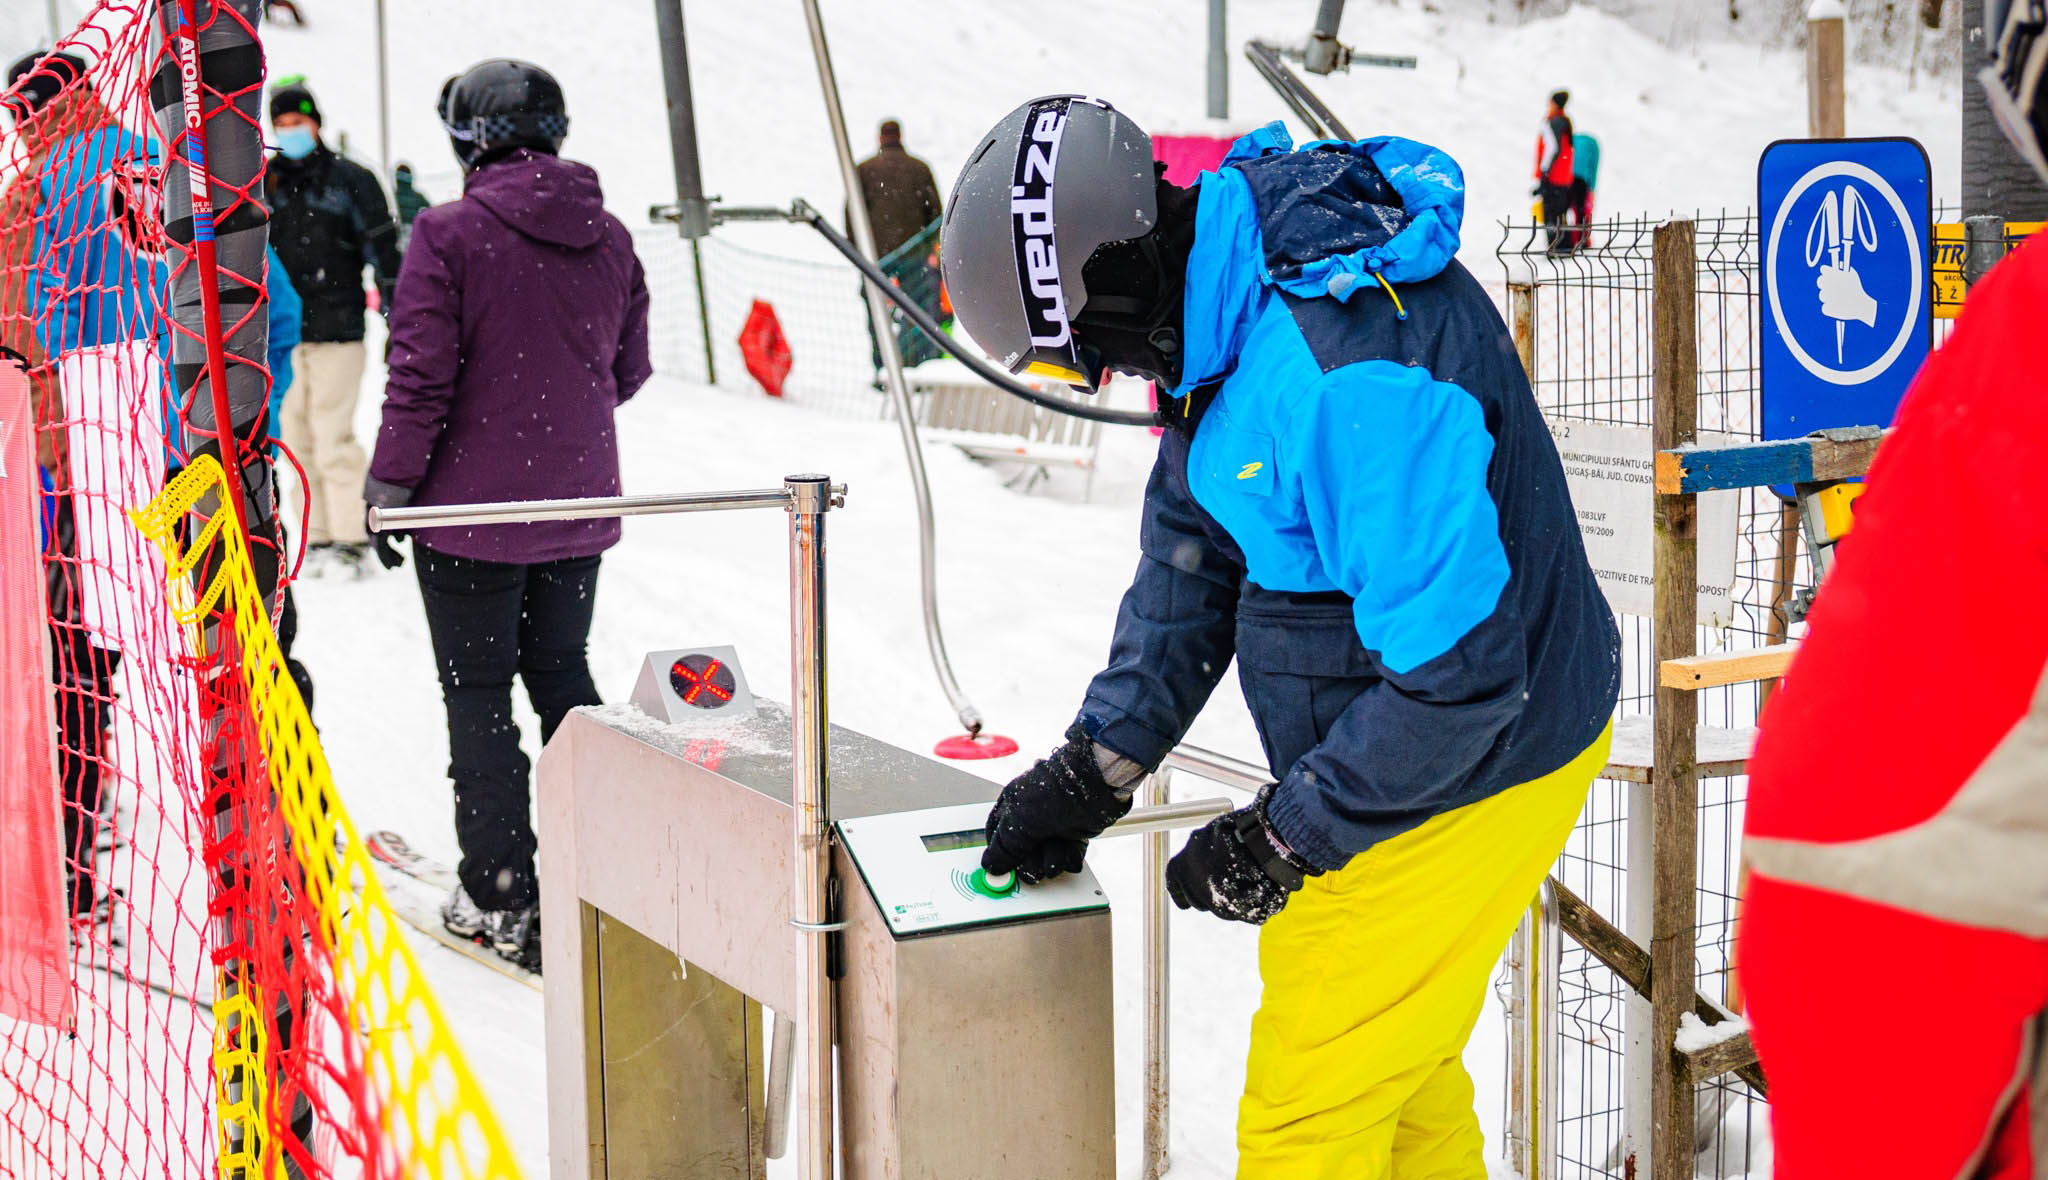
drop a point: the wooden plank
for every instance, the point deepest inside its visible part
(1829, 455)
(1784, 585)
(1674, 785)
(1522, 319)
(1623, 956)
(1631, 964)
(1728, 1056)
(1726, 667)
(1721, 752)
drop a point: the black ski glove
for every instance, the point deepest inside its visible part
(386, 545)
(1042, 822)
(1236, 867)
(378, 494)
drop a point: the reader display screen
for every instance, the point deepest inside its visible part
(950, 841)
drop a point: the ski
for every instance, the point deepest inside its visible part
(416, 885)
(96, 953)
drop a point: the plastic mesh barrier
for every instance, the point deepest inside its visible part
(386, 1078)
(236, 998)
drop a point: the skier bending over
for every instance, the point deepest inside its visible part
(1357, 499)
(519, 325)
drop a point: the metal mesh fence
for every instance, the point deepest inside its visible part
(1592, 363)
(1591, 328)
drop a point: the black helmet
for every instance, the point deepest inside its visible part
(502, 104)
(37, 77)
(1055, 180)
(2016, 81)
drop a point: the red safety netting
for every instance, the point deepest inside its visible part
(196, 978)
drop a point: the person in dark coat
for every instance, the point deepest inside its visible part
(409, 201)
(519, 326)
(1554, 171)
(901, 196)
(328, 220)
(903, 210)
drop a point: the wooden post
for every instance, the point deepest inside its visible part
(1825, 118)
(1674, 776)
(1522, 321)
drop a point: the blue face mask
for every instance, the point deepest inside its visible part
(296, 143)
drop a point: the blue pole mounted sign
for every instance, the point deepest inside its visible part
(1847, 315)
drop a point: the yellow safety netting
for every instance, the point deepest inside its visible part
(433, 1118)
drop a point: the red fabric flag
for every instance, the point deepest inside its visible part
(35, 983)
(765, 348)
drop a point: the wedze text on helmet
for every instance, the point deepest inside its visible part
(1045, 306)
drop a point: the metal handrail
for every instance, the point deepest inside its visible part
(807, 498)
(424, 516)
(1229, 773)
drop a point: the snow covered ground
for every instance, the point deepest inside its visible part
(1029, 583)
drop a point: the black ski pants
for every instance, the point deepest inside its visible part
(1557, 201)
(491, 621)
(83, 677)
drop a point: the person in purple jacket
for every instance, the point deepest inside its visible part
(518, 326)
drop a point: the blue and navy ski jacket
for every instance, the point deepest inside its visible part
(1370, 514)
(100, 258)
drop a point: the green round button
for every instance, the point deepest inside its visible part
(1000, 885)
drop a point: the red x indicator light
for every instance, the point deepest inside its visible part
(702, 681)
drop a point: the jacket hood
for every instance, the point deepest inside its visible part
(546, 198)
(1328, 221)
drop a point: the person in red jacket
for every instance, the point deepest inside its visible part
(1554, 171)
(1894, 943)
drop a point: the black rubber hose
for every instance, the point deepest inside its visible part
(987, 372)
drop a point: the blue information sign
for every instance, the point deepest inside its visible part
(1847, 315)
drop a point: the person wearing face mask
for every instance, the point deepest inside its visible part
(328, 220)
(1357, 499)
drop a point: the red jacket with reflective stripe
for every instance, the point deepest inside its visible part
(1909, 729)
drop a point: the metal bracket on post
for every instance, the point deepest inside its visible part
(1984, 245)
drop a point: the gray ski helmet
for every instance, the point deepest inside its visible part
(1054, 180)
(2016, 81)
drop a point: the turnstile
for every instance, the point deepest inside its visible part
(974, 1025)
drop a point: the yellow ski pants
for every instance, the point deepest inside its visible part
(1374, 976)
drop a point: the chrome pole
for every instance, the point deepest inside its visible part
(591, 508)
(892, 365)
(809, 497)
(1221, 769)
(383, 99)
(1158, 1090)
(1521, 1082)
(1545, 947)
(1165, 817)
